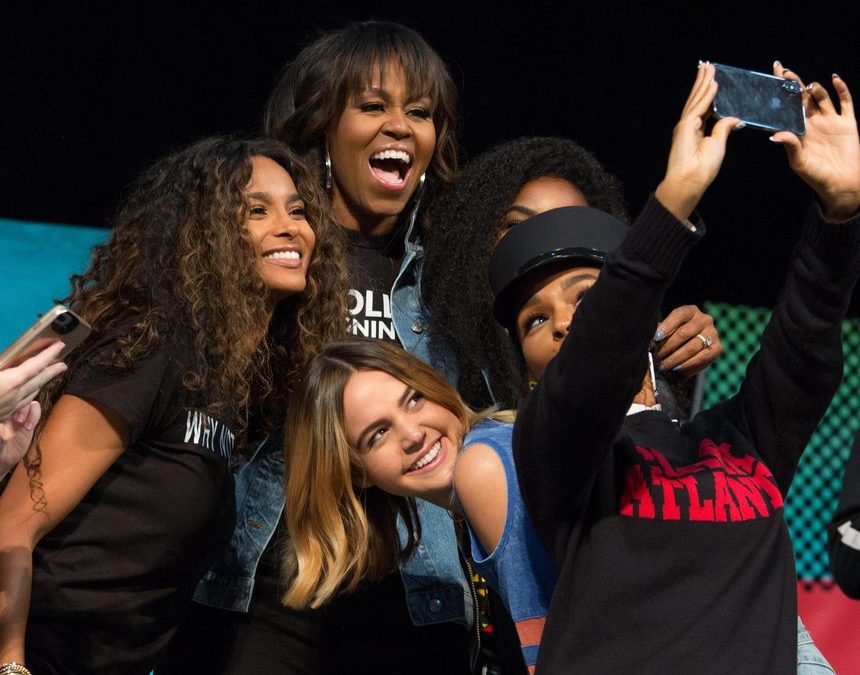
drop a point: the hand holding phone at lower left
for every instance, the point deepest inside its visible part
(20, 385)
(16, 434)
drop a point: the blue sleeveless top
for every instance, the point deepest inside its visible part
(519, 569)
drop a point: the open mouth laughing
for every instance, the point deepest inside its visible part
(391, 167)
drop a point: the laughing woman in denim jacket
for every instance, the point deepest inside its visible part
(373, 108)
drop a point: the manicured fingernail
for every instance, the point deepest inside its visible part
(777, 64)
(772, 139)
(659, 336)
(810, 86)
(835, 76)
(677, 368)
(740, 125)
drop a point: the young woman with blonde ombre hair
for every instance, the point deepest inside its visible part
(343, 527)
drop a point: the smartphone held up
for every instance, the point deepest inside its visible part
(759, 100)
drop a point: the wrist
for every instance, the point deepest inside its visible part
(839, 207)
(674, 200)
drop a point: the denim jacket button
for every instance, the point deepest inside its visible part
(417, 327)
(435, 605)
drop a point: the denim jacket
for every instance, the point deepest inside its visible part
(436, 588)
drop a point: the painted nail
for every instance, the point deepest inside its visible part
(774, 140)
(659, 336)
(835, 76)
(777, 64)
(677, 368)
(740, 125)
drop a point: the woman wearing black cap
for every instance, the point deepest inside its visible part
(501, 187)
(670, 541)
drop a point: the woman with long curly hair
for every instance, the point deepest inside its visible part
(371, 107)
(221, 277)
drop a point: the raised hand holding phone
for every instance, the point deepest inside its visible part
(827, 158)
(20, 385)
(695, 157)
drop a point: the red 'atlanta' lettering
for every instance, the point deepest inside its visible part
(718, 488)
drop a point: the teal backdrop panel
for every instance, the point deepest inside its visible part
(38, 259)
(815, 490)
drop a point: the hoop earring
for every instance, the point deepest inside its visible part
(327, 170)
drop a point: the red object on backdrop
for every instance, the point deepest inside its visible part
(833, 619)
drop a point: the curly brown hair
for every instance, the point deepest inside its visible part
(180, 265)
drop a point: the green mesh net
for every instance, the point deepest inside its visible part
(815, 491)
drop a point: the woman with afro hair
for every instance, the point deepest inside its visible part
(505, 185)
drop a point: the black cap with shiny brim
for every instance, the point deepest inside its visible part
(561, 237)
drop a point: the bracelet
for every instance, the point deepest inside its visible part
(13, 668)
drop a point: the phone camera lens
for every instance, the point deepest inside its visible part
(65, 323)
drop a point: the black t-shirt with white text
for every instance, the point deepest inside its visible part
(372, 264)
(111, 582)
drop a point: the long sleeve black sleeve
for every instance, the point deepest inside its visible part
(569, 421)
(791, 380)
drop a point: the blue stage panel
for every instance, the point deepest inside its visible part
(38, 259)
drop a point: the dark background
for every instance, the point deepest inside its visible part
(94, 92)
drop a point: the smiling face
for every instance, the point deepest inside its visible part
(544, 319)
(281, 235)
(380, 147)
(406, 443)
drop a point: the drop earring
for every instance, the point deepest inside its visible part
(327, 170)
(416, 203)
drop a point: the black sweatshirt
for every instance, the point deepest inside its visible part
(844, 542)
(672, 549)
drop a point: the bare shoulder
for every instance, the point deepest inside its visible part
(479, 481)
(478, 464)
